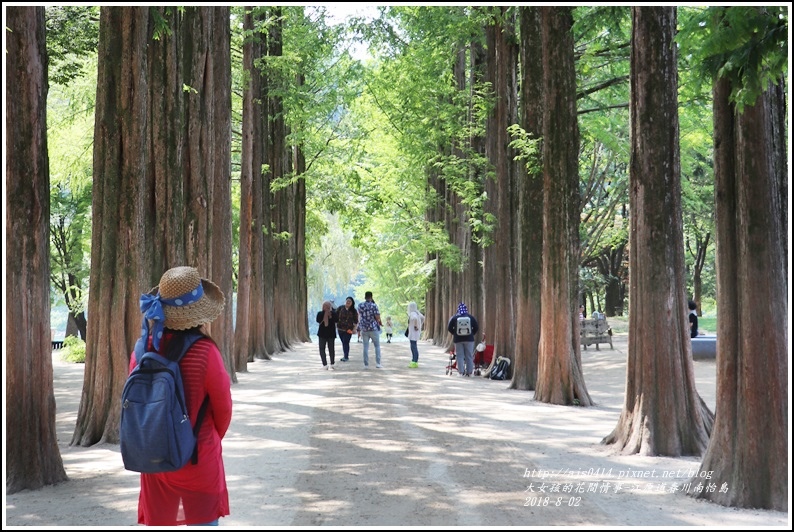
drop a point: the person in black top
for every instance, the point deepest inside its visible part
(326, 332)
(693, 320)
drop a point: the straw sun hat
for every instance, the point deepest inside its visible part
(181, 301)
(178, 285)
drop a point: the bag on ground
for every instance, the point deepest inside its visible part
(499, 370)
(463, 326)
(155, 432)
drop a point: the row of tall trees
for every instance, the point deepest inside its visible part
(663, 413)
(502, 213)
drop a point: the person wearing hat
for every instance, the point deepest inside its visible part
(181, 304)
(464, 342)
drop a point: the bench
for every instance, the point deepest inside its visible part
(57, 344)
(595, 331)
(704, 347)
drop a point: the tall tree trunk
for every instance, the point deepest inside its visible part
(278, 159)
(221, 268)
(260, 308)
(499, 317)
(299, 281)
(32, 458)
(477, 145)
(749, 448)
(76, 325)
(530, 210)
(166, 203)
(662, 413)
(560, 379)
(490, 286)
(242, 336)
(610, 265)
(118, 266)
(188, 206)
(205, 41)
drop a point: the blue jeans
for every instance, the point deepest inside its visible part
(211, 523)
(464, 353)
(375, 337)
(345, 337)
(414, 352)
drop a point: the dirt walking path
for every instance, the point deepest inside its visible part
(400, 447)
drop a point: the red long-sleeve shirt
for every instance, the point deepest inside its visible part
(195, 494)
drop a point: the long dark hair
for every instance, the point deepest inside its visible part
(176, 342)
(352, 306)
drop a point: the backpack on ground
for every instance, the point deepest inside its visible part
(463, 326)
(155, 431)
(499, 370)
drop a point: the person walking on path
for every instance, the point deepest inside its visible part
(179, 307)
(326, 332)
(463, 327)
(369, 325)
(415, 322)
(388, 327)
(693, 319)
(347, 324)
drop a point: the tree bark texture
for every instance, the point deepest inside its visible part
(32, 458)
(119, 269)
(165, 206)
(281, 199)
(662, 413)
(242, 348)
(221, 268)
(749, 448)
(207, 166)
(560, 379)
(529, 224)
(498, 321)
(299, 281)
(188, 214)
(260, 310)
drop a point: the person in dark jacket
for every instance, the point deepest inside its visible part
(463, 339)
(326, 332)
(347, 325)
(693, 319)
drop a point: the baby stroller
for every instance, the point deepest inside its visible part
(452, 364)
(483, 355)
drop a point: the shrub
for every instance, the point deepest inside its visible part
(73, 350)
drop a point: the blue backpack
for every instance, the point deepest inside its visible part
(155, 432)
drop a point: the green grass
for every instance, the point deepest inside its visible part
(620, 324)
(707, 325)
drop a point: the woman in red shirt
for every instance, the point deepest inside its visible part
(196, 494)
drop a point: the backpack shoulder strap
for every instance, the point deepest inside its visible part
(189, 341)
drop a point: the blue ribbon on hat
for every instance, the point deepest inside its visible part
(152, 309)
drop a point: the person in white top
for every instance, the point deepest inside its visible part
(415, 322)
